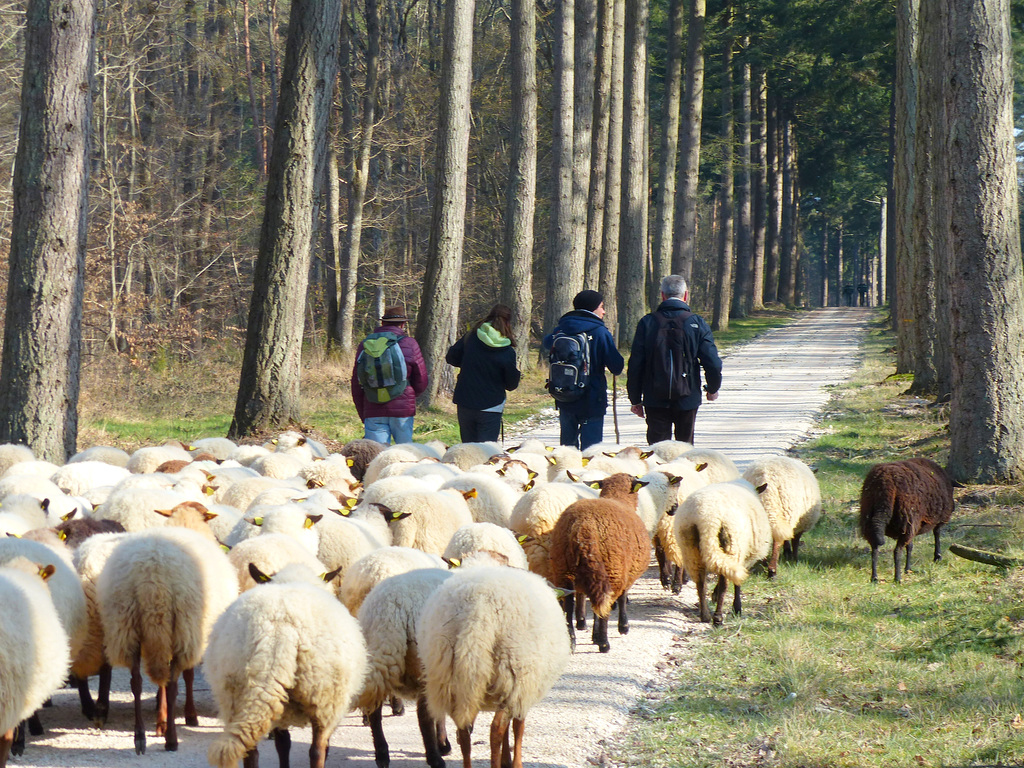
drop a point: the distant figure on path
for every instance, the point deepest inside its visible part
(388, 374)
(862, 294)
(848, 295)
(581, 348)
(670, 346)
(486, 357)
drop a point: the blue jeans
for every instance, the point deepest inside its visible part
(383, 428)
(579, 430)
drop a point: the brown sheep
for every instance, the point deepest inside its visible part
(901, 499)
(599, 548)
(360, 453)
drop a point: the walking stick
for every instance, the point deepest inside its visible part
(615, 407)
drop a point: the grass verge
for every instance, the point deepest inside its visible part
(826, 669)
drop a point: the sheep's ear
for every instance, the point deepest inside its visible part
(561, 592)
(312, 520)
(594, 484)
(672, 510)
(164, 512)
(571, 476)
(606, 453)
(702, 467)
(761, 488)
(314, 483)
(12, 535)
(522, 538)
(350, 502)
(494, 459)
(209, 475)
(394, 517)
(274, 441)
(302, 440)
(209, 490)
(638, 484)
(69, 515)
(528, 486)
(225, 547)
(350, 462)
(453, 562)
(256, 520)
(551, 460)
(208, 515)
(531, 474)
(257, 575)
(45, 505)
(46, 571)
(502, 471)
(585, 461)
(382, 508)
(514, 448)
(675, 479)
(332, 575)
(62, 535)
(646, 454)
(470, 494)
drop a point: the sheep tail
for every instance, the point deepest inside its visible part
(226, 750)
(714, 547)
(592, 576)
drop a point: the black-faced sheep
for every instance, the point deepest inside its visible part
(360, 453)
(901, 499)
(600, 547)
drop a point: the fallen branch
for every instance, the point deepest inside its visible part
(989, 558)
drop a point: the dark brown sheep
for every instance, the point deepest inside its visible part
(360, 453)
(599, 548)
(75, 531)
(901, 499)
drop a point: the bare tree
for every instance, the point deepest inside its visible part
(613, 179)
(904, 188)
(743, 297)
(268, 392)
(39, 377)
(726, 224)
(987, 411)
(599, 142)
(585, 57)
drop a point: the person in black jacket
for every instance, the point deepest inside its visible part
(486, 357)
(667, 405)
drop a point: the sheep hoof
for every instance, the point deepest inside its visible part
(192, 721)
(397, 707)
(171, 745)
(771, 573)
(717, 620)
(604, 647)
(581, 623)
(140, 744)
(623, 629)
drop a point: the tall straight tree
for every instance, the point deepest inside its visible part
(661, 253)
(563, 275)
(743, 297)
(986, 424)
(599, 142)
(684, 238)
(788, 231)
(613, 179)
(585, 58)
(726, 223)
(268, 392)
(439, 308)
(39, 378)
(517, 282)
(759, 187)
(773, 229)
(633, 229)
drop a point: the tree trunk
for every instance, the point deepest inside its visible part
(684, 239)
(787, 249)
(613, 183)
(633, 233)
(986, 423)
(726, 224)
(759, 189)
(661, 253)
(904, 190)
(772, 244)
(599, 139)
(562, 279)
(583, 124)
(743, 298)
(517, 276)
(39, 376)
(268, 394)
(439, 308)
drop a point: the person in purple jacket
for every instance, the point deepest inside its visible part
(393, 419)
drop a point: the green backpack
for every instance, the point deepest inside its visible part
(380, 367)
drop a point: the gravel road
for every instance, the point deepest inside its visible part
(773, 388)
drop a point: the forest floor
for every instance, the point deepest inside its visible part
(773, 389)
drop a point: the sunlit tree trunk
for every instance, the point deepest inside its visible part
(584, 52)
(759, 189)
(599, 145)
(772, 244)
(726, 224)
(661, 252)
(613, 182)
(743, 298)
(787, 241)
(904, 189)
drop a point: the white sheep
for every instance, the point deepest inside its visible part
(117, 457)
(247, 454)
(218, 447)
(486, 537)
(77, 478)
(684, 478)
(371, 569)
(466, 455)
(565, 457)
(344, 540)
(289, 519)
(36, 467)
(670, 450)
(34, 652)
(242, 492)
(493, 499)
(791, 498)
(11, 454)
(278, 465)
(388, 617)
(159, 594)
(332, 473)
(720, 468)
(408, 453)
(146, 459)
(270, 553)
(722, 529)
(630, 460)
(535, 515)
(284, 654)
(136, 507)
(425, 519)
(491, 638)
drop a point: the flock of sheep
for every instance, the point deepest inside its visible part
(311, 583)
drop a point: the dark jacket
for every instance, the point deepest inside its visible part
(638, 384)
(485, 373)
(603, 354)
(405, 403)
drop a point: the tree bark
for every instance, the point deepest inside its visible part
(439, 307)
(517, 276)
(772, 243)
(684, 239)
(759, 189)
(633, 229)
(986, 422)
(584, 52)
(787, 245)
(743, 298)
(39, 375)
(904, 189)
(600, 134)
(613, 181)
(268, 393)
(726, 224)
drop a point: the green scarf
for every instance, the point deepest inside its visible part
(491, 336)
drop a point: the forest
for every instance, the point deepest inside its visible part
(771, 151)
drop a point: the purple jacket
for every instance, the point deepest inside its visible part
(405, 403)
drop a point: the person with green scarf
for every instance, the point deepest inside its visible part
(486, 359)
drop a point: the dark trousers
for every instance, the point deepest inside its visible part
(478, 426)
(661, 422)
(578, 430)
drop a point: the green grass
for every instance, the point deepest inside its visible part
(825, 668)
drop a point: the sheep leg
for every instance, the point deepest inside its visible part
(737, 602)
(773, 562)
(381, 756)
(796, 547)
(464, 737)
(318, 746)
(568, 603)
(444, 746)
(938, 549)
(910, 548)
(171, 698)
(581, 613)
(896, 561)
(600, 635)
(251, 759)
(103, 696)
(874, 564)
(664, 567)
(191, 715)
(428, 730)
(500, 755)
(283, 746)
(518, 726)
(140, 730)
(719, 598)
(622, 602)
(35, 725)
(84, 696)
(702, 598)
(161, 711)
(6, 739)
(397, 706)
(18, 740)
(678, 578)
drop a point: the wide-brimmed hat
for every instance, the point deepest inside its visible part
(395, 314)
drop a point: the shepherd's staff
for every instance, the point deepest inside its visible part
(615, 407)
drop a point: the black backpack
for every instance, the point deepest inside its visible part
(569, 374)
(670, 356)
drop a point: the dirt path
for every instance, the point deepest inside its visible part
(773, 388)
